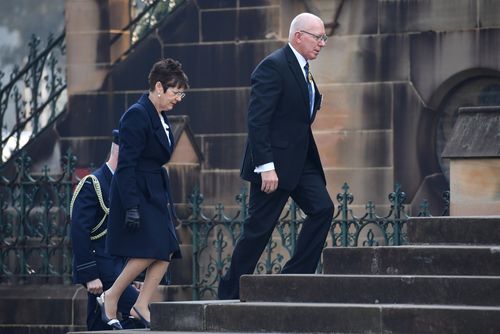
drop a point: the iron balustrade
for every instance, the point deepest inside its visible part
(215, 235)
(34, 224)
(34, 96)
(146, 15)
(35, 245)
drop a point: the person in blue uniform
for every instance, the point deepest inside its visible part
(281, 159)
(92, 266)
(141, 217)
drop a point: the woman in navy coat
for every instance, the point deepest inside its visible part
(140, 225)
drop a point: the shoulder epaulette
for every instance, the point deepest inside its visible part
(98, 191)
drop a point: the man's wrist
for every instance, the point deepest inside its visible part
(264, 168)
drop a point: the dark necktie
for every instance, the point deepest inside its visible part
(309, 88)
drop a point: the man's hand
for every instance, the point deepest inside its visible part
(269, 181)
(132, 219)
(94, 287)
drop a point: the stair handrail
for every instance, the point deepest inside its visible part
(150, 6)
(50, 45)
(26, 88)
(151, 17)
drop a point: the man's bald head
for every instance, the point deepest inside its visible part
(307, 35)
(303, 21)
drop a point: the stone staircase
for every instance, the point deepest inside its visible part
(59, 309)
(446, 281)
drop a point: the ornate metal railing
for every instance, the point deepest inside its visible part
(214, 236)
(34, 228)
(34, 221)
(145, 16)
(35, 96)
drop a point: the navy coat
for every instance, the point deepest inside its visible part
(279, 124)
(140, 180)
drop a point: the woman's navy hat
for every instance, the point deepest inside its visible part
(116, 137)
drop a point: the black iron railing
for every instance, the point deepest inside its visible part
(214, 235)
(34, 222)
(34, 96)
(34, 228)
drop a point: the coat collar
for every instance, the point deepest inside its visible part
(154, 117)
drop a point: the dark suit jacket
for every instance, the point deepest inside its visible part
(279, 122)
(90, 261)
(140, 180)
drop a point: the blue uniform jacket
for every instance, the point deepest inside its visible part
(90, 260)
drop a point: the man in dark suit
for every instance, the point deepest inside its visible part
(281, 158)
(92, 266)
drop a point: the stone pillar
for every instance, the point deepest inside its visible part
(94, 40)
(474, 153)
(90, 27)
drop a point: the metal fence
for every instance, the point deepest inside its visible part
(214, 236)
(34, 229)
(34, 224)
(34, 96)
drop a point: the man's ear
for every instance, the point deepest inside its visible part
(297, 36)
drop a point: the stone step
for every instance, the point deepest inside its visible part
(454, 230)
(40, 329)
(173, 293)
(324, 318)
(372, 289)
(145, 331)
(413, 260)
(142, 331)
(49, 305)
(61, 305)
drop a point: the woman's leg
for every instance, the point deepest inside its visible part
(131, 270)
(154, 274)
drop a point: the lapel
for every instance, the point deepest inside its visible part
(158, 130)
(298, 74)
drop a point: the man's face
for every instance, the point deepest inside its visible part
(310, 41)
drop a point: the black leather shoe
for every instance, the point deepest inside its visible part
(114, 323)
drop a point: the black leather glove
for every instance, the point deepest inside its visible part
(132, 219)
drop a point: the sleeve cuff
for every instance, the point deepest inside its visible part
(87, 272)
(264, 168)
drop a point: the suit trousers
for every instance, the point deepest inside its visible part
(264, 211)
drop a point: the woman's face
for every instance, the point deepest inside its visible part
(168, 99)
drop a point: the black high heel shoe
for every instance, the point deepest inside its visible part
(146, 323)
(114, 323)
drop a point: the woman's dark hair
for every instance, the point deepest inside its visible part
(169, 72)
